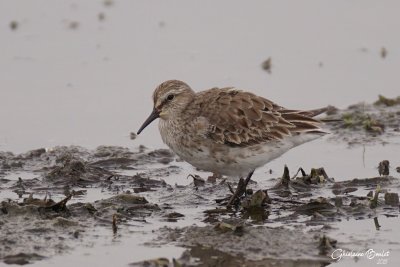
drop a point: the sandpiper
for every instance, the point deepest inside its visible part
(228, 131)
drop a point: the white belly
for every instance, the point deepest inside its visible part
(239, 161)
(223, 159)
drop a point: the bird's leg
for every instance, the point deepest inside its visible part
(230, 188)
(240, 189)
(197, 180)
(246, 182)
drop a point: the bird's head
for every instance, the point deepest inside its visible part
(170, 99)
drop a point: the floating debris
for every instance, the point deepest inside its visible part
(73, 25)
(108, 3)
(398, 169)
(14, 25)
(267, 65)
(384, 52)
(101, 16)
(383, 168)
(161, 24)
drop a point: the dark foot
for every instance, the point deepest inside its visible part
(197, 180)
(240, 190)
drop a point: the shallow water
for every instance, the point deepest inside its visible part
(92, 86)
(380, 240)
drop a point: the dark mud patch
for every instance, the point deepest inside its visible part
(245, 245)
(22, 258)
(32, 232)
(45, 217)
(61, 169)
(35, 229)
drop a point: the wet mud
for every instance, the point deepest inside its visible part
(36, 226)
(366, 123)
(55, 200)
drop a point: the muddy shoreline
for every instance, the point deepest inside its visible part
(53, 201)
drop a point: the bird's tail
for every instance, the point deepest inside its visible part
(318, 111)
(314, 112)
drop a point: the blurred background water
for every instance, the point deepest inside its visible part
(82, 72)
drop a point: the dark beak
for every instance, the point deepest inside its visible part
(154, 115)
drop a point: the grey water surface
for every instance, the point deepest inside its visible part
(82, 73)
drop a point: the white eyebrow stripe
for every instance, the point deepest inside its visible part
(174, 91)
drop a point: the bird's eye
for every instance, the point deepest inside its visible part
(170, 97)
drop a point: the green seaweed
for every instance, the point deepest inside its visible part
(382, 100)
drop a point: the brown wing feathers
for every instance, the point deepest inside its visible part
(242, 118)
